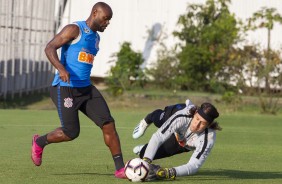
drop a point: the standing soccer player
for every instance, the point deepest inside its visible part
(71, 89)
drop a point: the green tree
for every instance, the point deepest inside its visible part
(266, 18)
(249, 73)
(241, 68)
(208, 33)
(126, 73)
(269, 67)
(165, 69)
(269, 102)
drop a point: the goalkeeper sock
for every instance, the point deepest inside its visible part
(118, 159)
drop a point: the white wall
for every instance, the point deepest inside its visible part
(244, 9)
(132, 18)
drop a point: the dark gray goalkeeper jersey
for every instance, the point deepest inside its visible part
(201, 143)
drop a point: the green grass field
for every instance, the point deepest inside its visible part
(248, 150)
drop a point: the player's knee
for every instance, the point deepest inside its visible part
(72, 133)
(110, 134)
(109, 129)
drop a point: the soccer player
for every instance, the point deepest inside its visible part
(71, 90)
(181, 128)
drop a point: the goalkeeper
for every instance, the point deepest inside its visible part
(181, 128)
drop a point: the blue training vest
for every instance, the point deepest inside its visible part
(78, 56)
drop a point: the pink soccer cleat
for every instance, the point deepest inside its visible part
(36, 152)
(120, 174)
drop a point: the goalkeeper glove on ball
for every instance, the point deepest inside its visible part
(166, 173)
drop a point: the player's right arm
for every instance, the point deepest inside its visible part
(67, 34)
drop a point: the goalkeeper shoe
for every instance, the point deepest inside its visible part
(140, 129)
(36, 152)
(120, 174)
(137, 149)
(166, 173)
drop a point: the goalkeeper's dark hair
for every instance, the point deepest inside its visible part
(209, 113)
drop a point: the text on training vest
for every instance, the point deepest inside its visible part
(85, 57)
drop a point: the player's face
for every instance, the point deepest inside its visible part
(198, 124)
(102, 20)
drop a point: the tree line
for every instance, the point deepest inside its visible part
(211, 56)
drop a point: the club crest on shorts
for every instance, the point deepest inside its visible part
(68, 102)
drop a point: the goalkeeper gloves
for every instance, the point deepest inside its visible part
(152, 169)
(166, 173)
(152, 172)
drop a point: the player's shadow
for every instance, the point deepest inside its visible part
(238, 174)
(100, 174)
(221, 174)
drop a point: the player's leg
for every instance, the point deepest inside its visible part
(69, 130)
(98, 111)
(111, 139)
(158, 117)
(67, 103)
(167, 149)
(153, 117)
(170, 110)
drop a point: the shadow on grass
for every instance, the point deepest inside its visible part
(100, 174)
(212, 175)
(71, 174)
(239, 174)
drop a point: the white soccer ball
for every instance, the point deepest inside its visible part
(136, 170)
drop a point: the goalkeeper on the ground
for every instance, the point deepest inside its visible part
(181, 128)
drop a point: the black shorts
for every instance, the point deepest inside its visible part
(88, 100)
(169, 148)
(159, 116)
